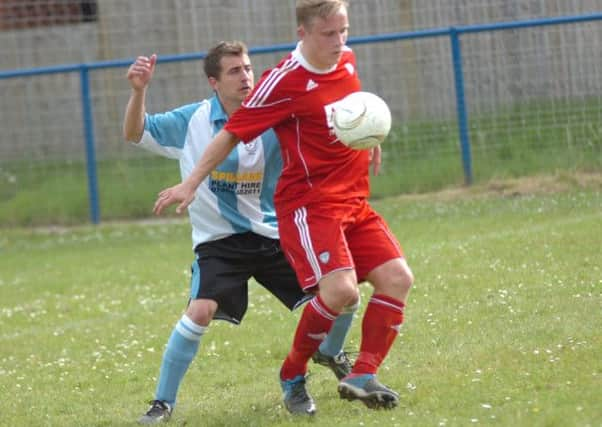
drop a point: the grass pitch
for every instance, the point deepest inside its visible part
(502, 327)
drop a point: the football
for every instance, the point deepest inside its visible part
(361, 120)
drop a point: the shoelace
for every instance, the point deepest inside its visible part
(344, 359)
(157, 407)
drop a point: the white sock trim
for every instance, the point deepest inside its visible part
(190, 330)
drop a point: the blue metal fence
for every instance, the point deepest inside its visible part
(454, 34)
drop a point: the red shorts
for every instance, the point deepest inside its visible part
(321, 238)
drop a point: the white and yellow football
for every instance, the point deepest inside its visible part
(361, 120)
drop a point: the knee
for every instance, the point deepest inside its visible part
(400, 280)
(394, 279)
(341, 294)
(201, 311)
(405, 278)
(350, 296)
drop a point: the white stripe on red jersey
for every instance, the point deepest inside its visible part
(317, 167)
(277, 74)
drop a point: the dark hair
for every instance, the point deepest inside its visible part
(212, 64)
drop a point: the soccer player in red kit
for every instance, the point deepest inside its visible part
(329, 233)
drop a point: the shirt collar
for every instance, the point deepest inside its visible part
(305, 64)
(217, 111)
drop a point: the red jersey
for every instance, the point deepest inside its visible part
(297, 100)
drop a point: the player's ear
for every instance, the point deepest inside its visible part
(212, 82)
(300, 31)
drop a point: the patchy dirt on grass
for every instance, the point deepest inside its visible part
(560, 182)
(516, 187)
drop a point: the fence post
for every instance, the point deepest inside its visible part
(462, 114)
(88, 122)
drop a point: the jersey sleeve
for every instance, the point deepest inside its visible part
(165, 133)
(266, 106)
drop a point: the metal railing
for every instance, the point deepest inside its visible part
(454, 34)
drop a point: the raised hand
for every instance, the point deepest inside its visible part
(141, 71)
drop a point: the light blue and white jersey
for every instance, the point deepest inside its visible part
(238, 195)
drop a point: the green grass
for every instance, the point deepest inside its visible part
(502, 327)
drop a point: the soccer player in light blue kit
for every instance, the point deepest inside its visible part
(234, 229)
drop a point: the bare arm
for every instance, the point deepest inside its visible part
(183, 193)
(139, 75)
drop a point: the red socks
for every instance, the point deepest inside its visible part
(313, 327)
(380, 327)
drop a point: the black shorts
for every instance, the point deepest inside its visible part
(223, 268)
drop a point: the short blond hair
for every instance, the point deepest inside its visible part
(310, 9)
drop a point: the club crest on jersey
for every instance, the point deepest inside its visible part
(310, 85)
(324, 257)
(251, 147)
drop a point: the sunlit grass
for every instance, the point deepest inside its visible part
(502, 327)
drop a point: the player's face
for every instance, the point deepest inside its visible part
(323, 39)
(236, 79)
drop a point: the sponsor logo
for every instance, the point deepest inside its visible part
(311, 85)
(329, 112)
(251, 147)
(240, 183)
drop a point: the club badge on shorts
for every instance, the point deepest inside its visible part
(324, 257)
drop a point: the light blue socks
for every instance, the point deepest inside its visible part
(333, 343)
(181, 348)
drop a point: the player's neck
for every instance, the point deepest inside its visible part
(307, 55)
(229, 106)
